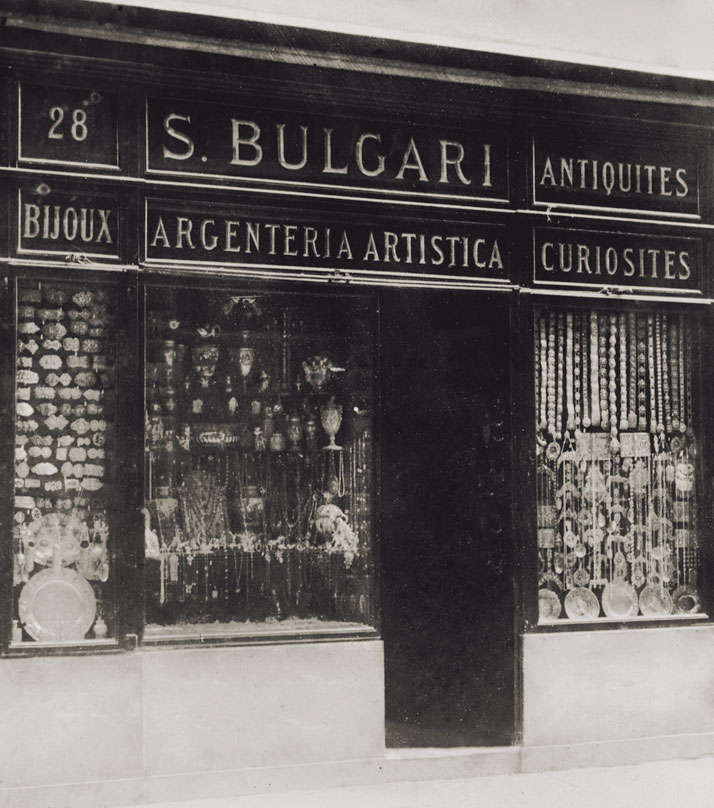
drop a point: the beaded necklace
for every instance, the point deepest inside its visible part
(543, 422)
(658, 379)
(612, 380)
(664, 347)
(578, 378)
(684, 402)
(569, 374)
(641, 377)
(551, 375)
(594, 371)
(560, 369)
(632, 403)
(585, 366)
(603, 374)
(674, 374)
(624, 421)
(651, 370)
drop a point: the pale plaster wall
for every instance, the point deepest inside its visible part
(110, 728)
(664, 36)
(599, 686)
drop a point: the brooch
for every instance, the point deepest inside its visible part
(54, 330)
(45, 469)
(82, 299)
(27, 328)
(78, 327)
(70, 344)
(85, 379)
(30, 296)
(55, 296)
(23, 393)
(80, 426)
(56, 422)
(27, 377)
(51, 344)
(76, 361)
(90, 345)
(54, 315)
(50, 362)
(24, 409)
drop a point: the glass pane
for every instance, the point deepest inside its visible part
(616, 475)
(258, 462)
(63, 534)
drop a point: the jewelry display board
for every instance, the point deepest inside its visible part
(64, 453)
(258, 472)
(616, 465)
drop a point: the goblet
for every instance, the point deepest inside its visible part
(331, 419)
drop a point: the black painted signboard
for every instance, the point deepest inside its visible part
(317, 149)
(82, 223)
(68, 125)
(601, 173)
(597, 258)
(208, 235)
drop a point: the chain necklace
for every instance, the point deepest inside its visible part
(559, 368)
(632, 403)
(664, 347)
(651, 370)
(684, 383)
(569, 374)
(624, 421)
(603, 375)
(612, 380)
(674, 374)
(641, 377)
(658, 379)
(585, 367)
(577, 370)
(551, 375)
(594, 371)
(543, 422)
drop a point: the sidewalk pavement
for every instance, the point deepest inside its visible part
(664, 784)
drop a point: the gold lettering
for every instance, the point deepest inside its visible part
(32, 221)
(410, 151)
(371, 253)
(281, 149)
(359, 155)
(455, 161)
(251, 142)
(329, 168)
(180, 136)
(160, 233)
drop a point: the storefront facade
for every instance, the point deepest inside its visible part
(349, 407)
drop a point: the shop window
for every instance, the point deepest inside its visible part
(64, 504)
(258, 474)
(616, 454)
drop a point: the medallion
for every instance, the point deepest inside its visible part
(687, 600)
(548, 605)
(655, 601)
(619, 600)
(581, 604)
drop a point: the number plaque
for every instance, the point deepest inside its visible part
(68, 126)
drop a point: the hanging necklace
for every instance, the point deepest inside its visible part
(577, 372)
(641, 377)
(543, 422)
(569, 374)
(632, 404)
(674, 374)
(664, 347)
(559, 392)
(585, 366)
(684, 384)
(603, 374)
(612, 382)
(551, 376)
(651, 369)
(594, 371)
(658, 380)
(624, 421)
